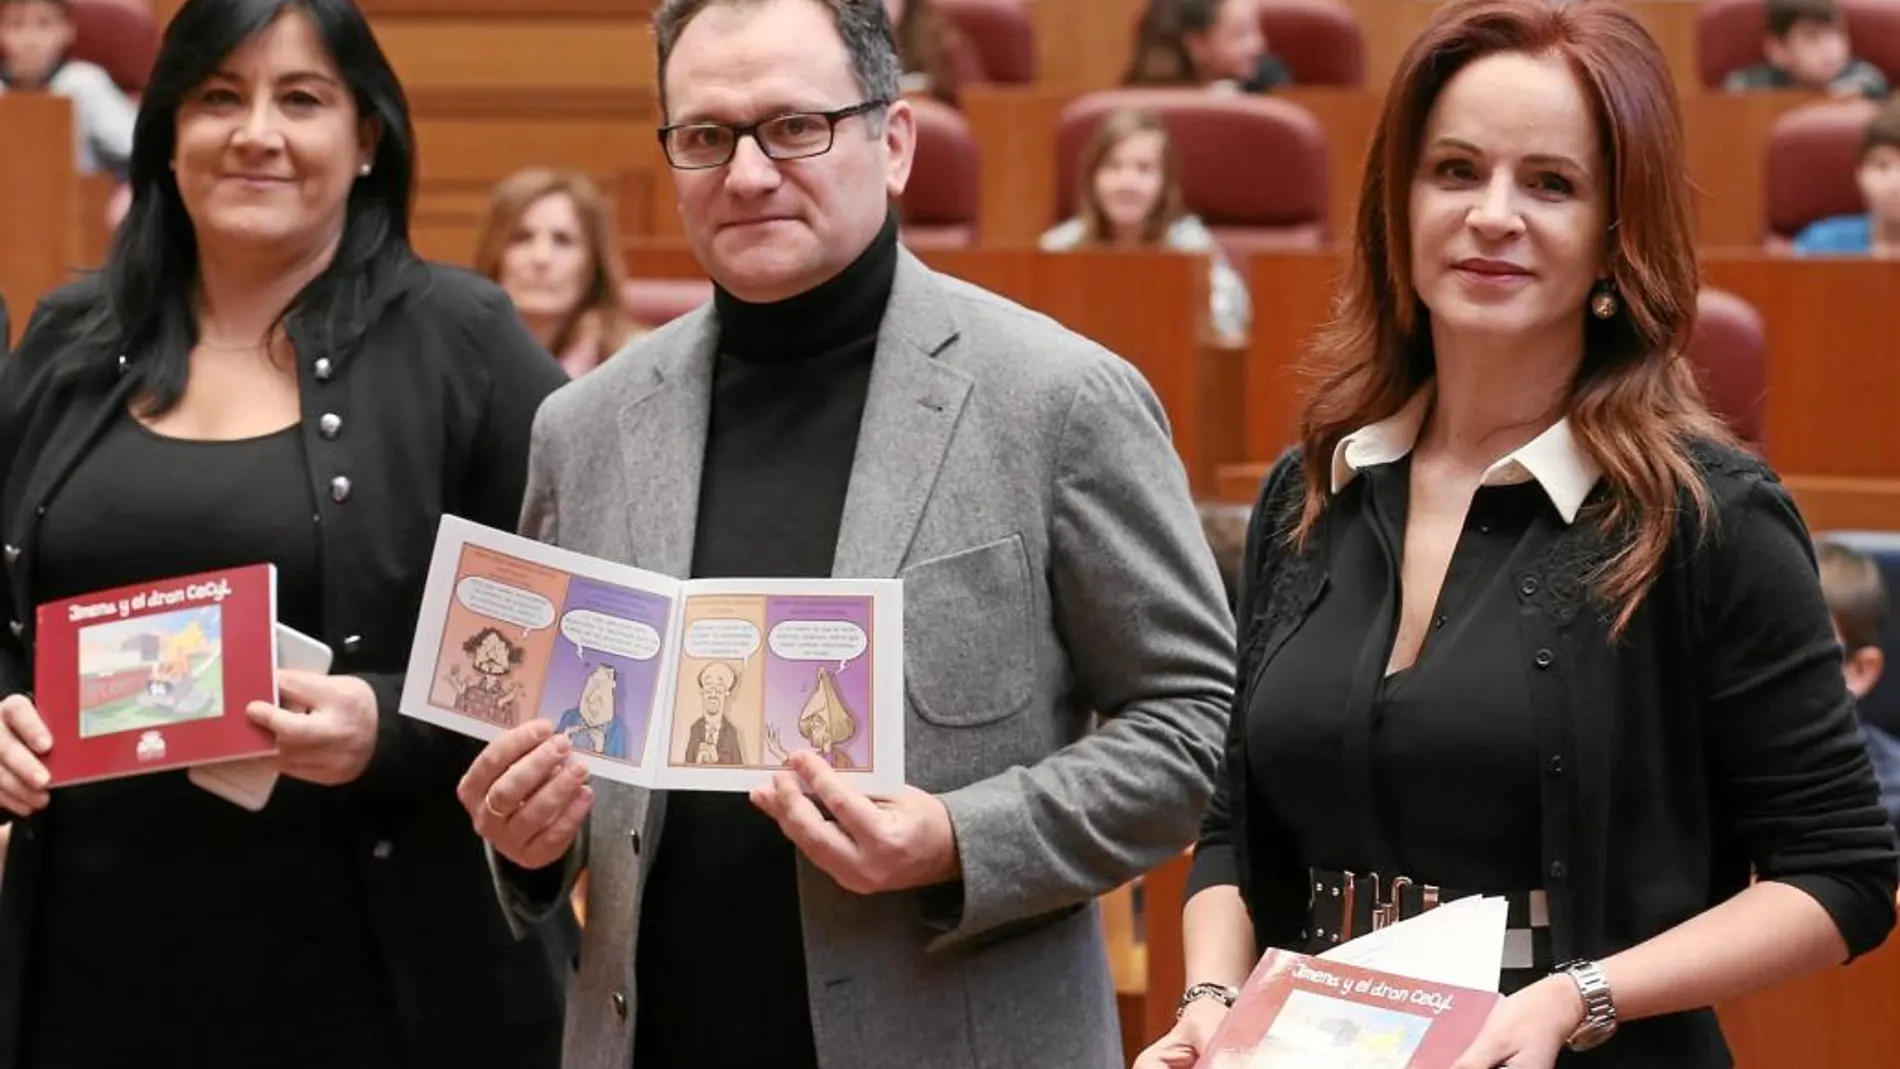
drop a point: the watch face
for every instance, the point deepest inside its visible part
(1591, 1036)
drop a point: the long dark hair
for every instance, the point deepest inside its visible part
(143, 310)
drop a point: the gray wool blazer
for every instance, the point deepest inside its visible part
(1020, 480)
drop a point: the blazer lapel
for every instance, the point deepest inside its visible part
(910, 413)
(663, 430)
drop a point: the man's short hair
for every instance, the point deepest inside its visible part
(1785, 15)
(864, 25)
(1883, 128)
(1856, 596)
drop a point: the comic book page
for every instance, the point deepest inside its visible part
(706, 685)
(770, 667)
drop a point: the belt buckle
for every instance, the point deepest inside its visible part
(1385, 911)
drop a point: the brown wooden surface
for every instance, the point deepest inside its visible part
(1832, 378)
(39, 201)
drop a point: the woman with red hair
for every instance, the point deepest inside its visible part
(1518, 617)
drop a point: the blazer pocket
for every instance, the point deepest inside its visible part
(967, 638)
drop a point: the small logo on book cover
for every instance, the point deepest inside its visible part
(151, 746)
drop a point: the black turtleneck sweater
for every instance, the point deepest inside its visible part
(721, 967)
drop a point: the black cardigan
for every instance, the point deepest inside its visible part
(427, 413)
(1717, 734)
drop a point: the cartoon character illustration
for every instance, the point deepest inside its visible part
(169, 684)
(825, 722)
(713, 739)
(591, 725)
(488, 695)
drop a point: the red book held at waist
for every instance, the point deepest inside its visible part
(157, 676)
(1300, 1012)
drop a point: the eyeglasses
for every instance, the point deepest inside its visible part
(697, 146)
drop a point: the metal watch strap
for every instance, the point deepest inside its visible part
(1599, 1009)
(1195, 992)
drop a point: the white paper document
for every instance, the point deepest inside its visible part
(1459, 943)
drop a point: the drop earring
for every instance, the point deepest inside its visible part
(1603, 302)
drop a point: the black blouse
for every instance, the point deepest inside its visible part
(1430, 772)
(422, 408)
(1713, 740)
(203, 970)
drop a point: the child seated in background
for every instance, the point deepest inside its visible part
(1128, 195)
(1807, 48)
(1857, 599)
(1876, 231)
(1216, 43)
(35, 39)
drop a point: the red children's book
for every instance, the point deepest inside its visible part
(157, 676)
(1299, 1012)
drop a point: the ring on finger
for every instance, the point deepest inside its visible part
(488, 803)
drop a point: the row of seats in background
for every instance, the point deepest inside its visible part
(1262, 172)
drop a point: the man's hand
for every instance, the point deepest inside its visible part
(527, 795)
(326, 729)
(890, 844)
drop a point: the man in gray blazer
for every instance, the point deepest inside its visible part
(839, 409)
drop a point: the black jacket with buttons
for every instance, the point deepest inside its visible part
(1713, 740)
(427, 413)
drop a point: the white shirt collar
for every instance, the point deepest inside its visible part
(1555, 459)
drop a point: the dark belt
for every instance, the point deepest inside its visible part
(1346, 905)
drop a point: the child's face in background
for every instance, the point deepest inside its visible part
(1861, 666)
(1814, 53)
(1232, 46)
(1879, 178)
(34, 36)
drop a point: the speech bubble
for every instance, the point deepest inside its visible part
(722, 640)
(819, 640)
(523, 608)
(590, 630)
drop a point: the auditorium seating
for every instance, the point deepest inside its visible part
(654, 302)
(1811, 154)
(1730, 353)
(1729, 36)
(1253, 168)
(1318, 40)
(118, 35)
(1002, 34)
(941, 203)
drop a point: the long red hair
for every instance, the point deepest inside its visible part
(1634, 403)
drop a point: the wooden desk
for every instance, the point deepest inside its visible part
(1145, 307)
(39, 201)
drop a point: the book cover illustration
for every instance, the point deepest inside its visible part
(1299, 1012)
(707, 684)
(157, 676)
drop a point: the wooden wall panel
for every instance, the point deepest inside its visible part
(1832, 379)
(497, 54)
(39, 202)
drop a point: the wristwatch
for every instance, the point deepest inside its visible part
(1225, 994)
(1599, 1010)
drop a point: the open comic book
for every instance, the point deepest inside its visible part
(705, 684)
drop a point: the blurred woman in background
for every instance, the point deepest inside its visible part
(1215, 43)
(550, 242)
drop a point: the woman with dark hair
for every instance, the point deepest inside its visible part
(1216, 43)
(264, 371)
(1518, 617)
(937, 58)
